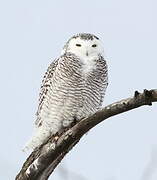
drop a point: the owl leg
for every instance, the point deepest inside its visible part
(67, 122)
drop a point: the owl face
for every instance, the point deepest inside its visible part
(85, 46)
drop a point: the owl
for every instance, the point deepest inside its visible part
(73, 87)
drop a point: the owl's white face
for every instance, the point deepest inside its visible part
(85, 48)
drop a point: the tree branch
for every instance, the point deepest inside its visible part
(43, 160)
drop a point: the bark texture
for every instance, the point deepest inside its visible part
(43, 160)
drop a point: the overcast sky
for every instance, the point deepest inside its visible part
(32, 34)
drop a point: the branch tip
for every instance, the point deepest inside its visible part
(148, 96)
(136, 94)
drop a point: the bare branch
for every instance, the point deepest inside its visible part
(44, 160)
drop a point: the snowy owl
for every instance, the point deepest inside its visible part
(73, 87)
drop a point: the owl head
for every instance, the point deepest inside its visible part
(84, 45)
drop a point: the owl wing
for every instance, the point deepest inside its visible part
(45, 86)
(103, 76)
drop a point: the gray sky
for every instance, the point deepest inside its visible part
(32, 34)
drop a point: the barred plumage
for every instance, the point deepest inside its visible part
(73, 87)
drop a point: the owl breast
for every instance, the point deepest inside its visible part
(94, 83)
(76, 91)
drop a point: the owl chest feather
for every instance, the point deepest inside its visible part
(88, 65)
(75, 89)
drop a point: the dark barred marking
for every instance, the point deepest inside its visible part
(65, 86)
(86, 36)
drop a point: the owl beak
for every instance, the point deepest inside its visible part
(87, 53)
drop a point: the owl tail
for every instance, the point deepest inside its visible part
(39, 137)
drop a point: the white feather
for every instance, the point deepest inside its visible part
(61, 99)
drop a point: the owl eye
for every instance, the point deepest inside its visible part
(94, 45)
(78, 45)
